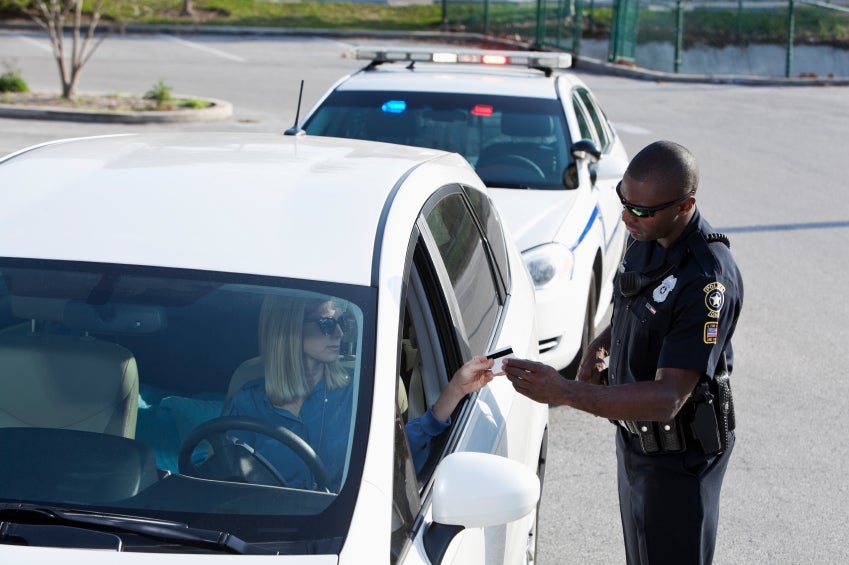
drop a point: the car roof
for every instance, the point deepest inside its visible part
(234, 202)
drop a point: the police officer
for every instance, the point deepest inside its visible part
(660, 371)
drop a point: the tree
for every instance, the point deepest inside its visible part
(53, 16)
(188, 10)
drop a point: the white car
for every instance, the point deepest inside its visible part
(134, 270)
(537, 137)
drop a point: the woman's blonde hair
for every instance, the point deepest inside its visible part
(281, 326)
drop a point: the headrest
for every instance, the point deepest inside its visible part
(391, 127)
(79, 315)
(527, 125)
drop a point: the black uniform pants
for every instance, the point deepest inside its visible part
(669, 503)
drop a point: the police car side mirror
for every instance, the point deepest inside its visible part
(582, 150)
(586, 149)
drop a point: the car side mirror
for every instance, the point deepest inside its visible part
(586, 149)
(475, 490)
(582, 150)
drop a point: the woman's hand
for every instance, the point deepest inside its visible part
(472, 376)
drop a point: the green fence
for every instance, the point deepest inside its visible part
(672, 30)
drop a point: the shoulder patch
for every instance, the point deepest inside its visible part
(711, 332)
(714, 298)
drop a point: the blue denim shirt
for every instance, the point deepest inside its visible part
(324, 423)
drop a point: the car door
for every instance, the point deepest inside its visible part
(455, 294)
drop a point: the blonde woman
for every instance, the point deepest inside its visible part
(306, 390)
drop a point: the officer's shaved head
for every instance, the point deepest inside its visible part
(669, 166)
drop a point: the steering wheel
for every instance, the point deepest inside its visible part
(233, 460)
(507, 165)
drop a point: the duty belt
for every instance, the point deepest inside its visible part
(706, 418)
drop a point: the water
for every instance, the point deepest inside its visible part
(751, 60)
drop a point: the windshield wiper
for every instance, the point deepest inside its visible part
(163, 530)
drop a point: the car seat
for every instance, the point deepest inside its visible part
(525, 151)
(64, 381)
(247, 371)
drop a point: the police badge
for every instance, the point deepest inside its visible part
(664, 288)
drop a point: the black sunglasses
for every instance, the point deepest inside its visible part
(646, 211)
(327, 324)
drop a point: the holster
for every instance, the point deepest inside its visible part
(707, 418)
(724, 408)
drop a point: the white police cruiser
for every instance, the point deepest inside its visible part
(537, 137)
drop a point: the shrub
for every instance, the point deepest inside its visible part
(195, 104)
(161, 94)
(11, 81)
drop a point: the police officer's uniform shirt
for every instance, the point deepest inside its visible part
(685, 316)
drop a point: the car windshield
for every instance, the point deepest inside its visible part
(512, 142)
(171, 395)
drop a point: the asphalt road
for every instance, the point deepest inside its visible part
(774, 171)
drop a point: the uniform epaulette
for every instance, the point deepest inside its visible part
(699, 246)
(718, 237)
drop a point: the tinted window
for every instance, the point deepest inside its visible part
(494, 234)
(597, 116)
(584, 122)
(513, 142)
(463, 253)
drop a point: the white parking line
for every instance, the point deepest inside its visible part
(41, 44)
(631, 128)
(204, 48)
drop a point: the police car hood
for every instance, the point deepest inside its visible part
(533, 216)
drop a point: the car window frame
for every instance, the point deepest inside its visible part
(597, 117)
(442, 339)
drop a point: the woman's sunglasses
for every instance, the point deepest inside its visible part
(646, 211)
(327, 324)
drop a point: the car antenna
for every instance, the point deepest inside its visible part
(295, 130)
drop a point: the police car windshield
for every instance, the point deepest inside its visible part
(512, 142)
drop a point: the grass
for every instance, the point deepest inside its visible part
(710, 26)
(321, 15)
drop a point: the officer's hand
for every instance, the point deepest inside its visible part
(535, 380)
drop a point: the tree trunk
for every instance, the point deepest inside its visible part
(52, 15)
(188, 9)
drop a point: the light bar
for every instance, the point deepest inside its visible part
(530, 59)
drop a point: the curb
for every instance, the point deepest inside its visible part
(220, 110)
(590, 65)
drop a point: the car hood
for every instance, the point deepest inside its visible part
(533, 216)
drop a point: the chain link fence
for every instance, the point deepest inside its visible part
(749, 37)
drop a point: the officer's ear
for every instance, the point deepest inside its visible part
(686, 205)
